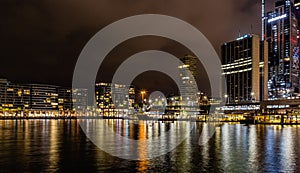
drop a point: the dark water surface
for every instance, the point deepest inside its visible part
(61, 146)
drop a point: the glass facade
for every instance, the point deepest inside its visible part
(114, 96)
(281, 30)
(14, 96)
(242, 66)
(43, 97)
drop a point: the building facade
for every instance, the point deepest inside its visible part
(65, 101)
(281, 33)
(43, 97)
(114, 98)
(244, 64)
(40, 97)
(14, 97)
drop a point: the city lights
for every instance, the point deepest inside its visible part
(277, 18)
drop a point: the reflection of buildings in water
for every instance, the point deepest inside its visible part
(288, 148)
(142, 165)
(225, 154)
(271, 141)
(53, 145)
(253, 148)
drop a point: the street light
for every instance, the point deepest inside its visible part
(252, 94)
(142, 93)
(226, 98)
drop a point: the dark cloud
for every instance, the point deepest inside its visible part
(41, 40)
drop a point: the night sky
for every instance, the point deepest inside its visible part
(42, 39)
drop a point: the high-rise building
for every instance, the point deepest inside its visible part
(281, 30)
(188, 87)
(263, 70)
(297, 7)
(111, 98)
(244, 64)
(187, 73)
(190, 63)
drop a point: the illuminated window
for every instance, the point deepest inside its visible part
(10, 89)
(27, 92)
(19, 93)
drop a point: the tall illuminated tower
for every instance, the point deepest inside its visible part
(188, 72)
(244, 64)
(281, 34)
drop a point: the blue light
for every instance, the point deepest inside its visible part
(243, 37)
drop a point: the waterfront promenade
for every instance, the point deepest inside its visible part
(284, 119)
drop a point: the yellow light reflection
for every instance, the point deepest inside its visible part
(142, 165)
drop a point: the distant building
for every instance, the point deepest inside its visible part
(111, 98)
(190, 63)
(175, 106)
(244, 64)
(79, 99)
(40, 97)
(43, 97)
(188, 101)
(187, 73)
(14, 97)
(281, 33)
(65, 101)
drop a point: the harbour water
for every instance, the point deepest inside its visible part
(35, 145)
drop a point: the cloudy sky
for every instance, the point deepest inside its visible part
(42, 39)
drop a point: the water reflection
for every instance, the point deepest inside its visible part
(142, 164)
(61, 145)
(142, 142)
(287, 147)
(253, 149)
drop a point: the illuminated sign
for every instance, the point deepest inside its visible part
(277, 18)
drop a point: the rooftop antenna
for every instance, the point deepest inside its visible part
(262, 20)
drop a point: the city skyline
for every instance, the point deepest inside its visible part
(52, 59)
(150, 86)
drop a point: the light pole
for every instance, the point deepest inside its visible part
(226, 98)
(252, 94)
(142, 93)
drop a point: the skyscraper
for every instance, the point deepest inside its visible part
(188, 72)
(244, 64)
(188, 86)
(281, 27)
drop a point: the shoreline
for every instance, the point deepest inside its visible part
(121, 118)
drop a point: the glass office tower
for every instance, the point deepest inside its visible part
(281, 30)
